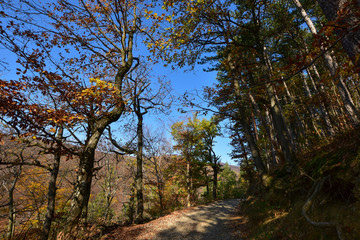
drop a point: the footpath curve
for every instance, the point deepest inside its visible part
(205, 222)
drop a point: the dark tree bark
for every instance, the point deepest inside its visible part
(52, 189)
(329, 7)
(11, 204)
(139, 166)
(215, 167)
(255, 152)
(351, 21)
(80, 200)
(188, 180)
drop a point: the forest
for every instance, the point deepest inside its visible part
(78, 83)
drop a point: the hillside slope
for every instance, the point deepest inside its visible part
(324, 187)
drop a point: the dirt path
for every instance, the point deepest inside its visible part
(210, 222)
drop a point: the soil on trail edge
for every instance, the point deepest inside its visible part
(206, 222)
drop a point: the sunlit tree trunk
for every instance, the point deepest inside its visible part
(81, 195)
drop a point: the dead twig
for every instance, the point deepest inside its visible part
(316, 189)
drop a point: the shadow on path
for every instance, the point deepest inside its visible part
(209, 222)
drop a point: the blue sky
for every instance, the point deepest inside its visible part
(184, 81)
(181, 81)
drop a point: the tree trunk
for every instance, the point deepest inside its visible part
(215, 184)
(52, 188)
(350, 21)
(161, 201)
(281, 129)
(323, 110)
(79, 204)
(311, 108)
(255, 152)
(188, 182)
(215, 178)
(325, 99)
(266, 125)
(81, 195)
(139, 168)
(330, 61)
(248, 169)
(298, 118)
(280, 126)
(11, 223)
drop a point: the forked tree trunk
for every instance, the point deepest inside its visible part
(81, 195)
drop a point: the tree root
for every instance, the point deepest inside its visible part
(316, 188)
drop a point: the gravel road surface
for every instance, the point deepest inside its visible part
(205, 222)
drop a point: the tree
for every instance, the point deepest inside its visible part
(9, 180)
(345, 16)
(144, 100)
(54, 171)
(195, 139)
(228, 184)
(209, 130)
(20, 158)
(146, 96)
(255, 47)
(158, 156)
(93, 40)
(333, 66)
(188, 141)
